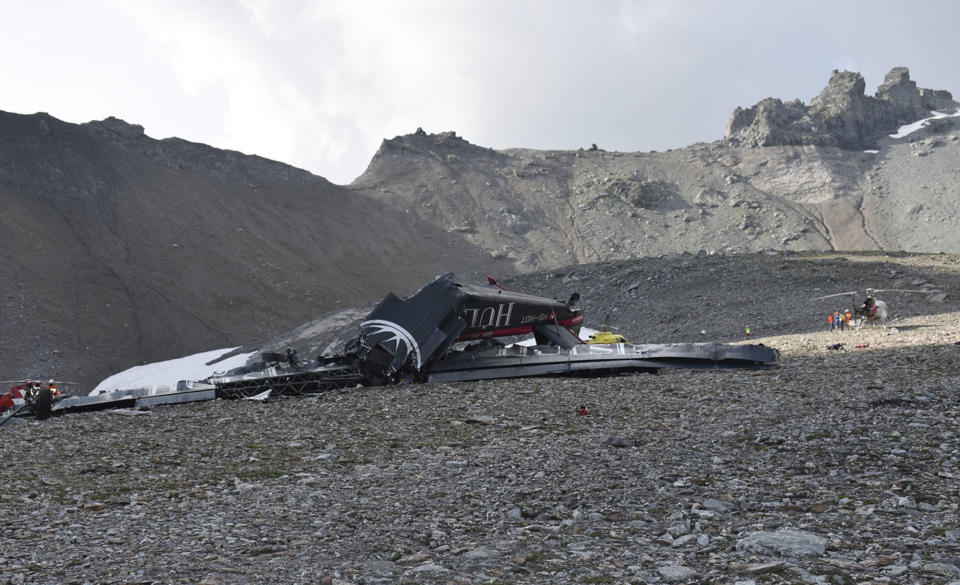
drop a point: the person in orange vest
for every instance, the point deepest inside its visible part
(830, 319)
(848, 315)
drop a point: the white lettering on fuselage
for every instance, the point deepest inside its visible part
(534, 318)
(489, 316)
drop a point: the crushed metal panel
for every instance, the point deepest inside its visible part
(184, 392)
(486, 361)
(407, 336)
(91, 403)
(286, 381)
(553, 333)
(411, 331)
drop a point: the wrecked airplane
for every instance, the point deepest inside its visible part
(446, 332)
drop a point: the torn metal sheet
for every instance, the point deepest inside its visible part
(185, 391)
(497, 361)
(286, 381)
(262, 397)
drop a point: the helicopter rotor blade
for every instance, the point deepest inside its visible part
(42, 380)
(899, 290)
(835, 295)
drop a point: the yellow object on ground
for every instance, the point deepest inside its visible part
(606, 337)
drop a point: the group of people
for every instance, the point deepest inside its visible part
(32, 387)
(839, 320)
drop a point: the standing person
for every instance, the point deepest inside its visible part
(32, 388)
(748, 332)
(847, 317)
(839, 320)
(292, 358)
(830, 320)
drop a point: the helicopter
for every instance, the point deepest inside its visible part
(872, 308)
(27, 397)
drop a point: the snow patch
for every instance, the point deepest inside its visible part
(165, 375)
(909, 129)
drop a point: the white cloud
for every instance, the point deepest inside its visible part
(318, 83)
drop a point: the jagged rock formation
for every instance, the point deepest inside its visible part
(842, 115)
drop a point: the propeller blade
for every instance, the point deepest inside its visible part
(886, 290)
(832, 296)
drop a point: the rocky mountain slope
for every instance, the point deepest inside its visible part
(786, 177)
(117, 249)
(836, 467)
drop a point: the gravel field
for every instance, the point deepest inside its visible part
(839, 466)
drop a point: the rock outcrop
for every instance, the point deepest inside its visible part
(842, 115)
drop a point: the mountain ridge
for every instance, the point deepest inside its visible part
(789, 191)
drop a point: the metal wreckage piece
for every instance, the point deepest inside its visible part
(413, 340)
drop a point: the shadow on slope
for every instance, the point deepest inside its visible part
(119, 249)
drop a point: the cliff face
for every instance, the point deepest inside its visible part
(842, 115)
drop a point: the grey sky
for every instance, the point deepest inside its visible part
(319, 83)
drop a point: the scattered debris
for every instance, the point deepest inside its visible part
(446, 332)
(261, 397)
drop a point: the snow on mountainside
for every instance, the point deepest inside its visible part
(908, 129)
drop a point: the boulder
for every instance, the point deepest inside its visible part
(787, 543)
(771, 122)
(849, 118)
(673, 573)
(903, 96)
